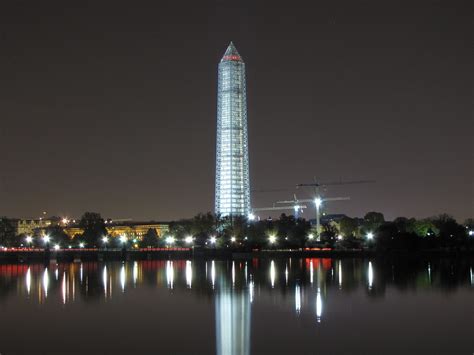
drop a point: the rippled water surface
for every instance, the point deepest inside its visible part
(254, 306)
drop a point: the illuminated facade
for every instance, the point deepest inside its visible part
(232, 162)
(130, 230)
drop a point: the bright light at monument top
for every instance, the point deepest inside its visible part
(232, 162)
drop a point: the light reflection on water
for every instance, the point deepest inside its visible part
(308, 288)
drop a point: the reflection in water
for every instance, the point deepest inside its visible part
(28, 281)
(169, 274)
(370, 275)
(238, 286)
(104, 280)
(232, 319)
(297, 299)
(45, 282)
(319, 306)
(189, 273)
(123, 277)
(213, 273)
(272, 273)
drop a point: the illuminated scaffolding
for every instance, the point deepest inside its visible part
(232, 162)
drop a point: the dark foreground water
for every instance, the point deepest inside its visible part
(258, 306)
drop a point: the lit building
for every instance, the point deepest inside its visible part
(232, 161)
(130, 229)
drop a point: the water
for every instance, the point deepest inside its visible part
(255, 306)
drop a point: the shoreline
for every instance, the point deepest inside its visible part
(101, 255)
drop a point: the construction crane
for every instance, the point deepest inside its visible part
(276, 208)
(318, 200)
(295, 203)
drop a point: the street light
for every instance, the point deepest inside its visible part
(272, 239)
(370, 236)
(123, 239)
(29, 240)
(81, 245)
(311, 236)
(232, 239)
(46, 240)
(251, 217)
(213, 240)
(170, 240)
(189, 239)
(105, 240)
(57, 247)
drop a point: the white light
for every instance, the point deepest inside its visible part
(65, 221)
(213, 240)
(310, 236)
(272, 239)
(189, 273)
(370, 275)
(319, 306)
(339, 237)
(296, 208)
(105, 240)
(188, 239)
(170, 240)
(46, 239)
(81, 245)
(272, 273)
(318, 201)
(123, 239)
(297, 299)
(251, 217)
(123, 277)
(56, 247)
(29, 239)
(370, 236)
(170, 274)
(232, 239)
(471, 233)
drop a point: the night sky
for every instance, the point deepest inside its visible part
(111, 106)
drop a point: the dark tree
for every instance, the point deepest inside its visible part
(348, 226)
(94, 229)
(7, 232)
(150, 239)
(57, 236)
(372, 221)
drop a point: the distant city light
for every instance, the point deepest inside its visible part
(213, 240)
(370, 236)
(56, 247)
(272, 239)
(189, 239)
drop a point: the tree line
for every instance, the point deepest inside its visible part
(207, 230)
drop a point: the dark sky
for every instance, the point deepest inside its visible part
(111, 106)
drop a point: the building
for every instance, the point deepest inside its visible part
(232, 162)
(129, 229)
(32, 226)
